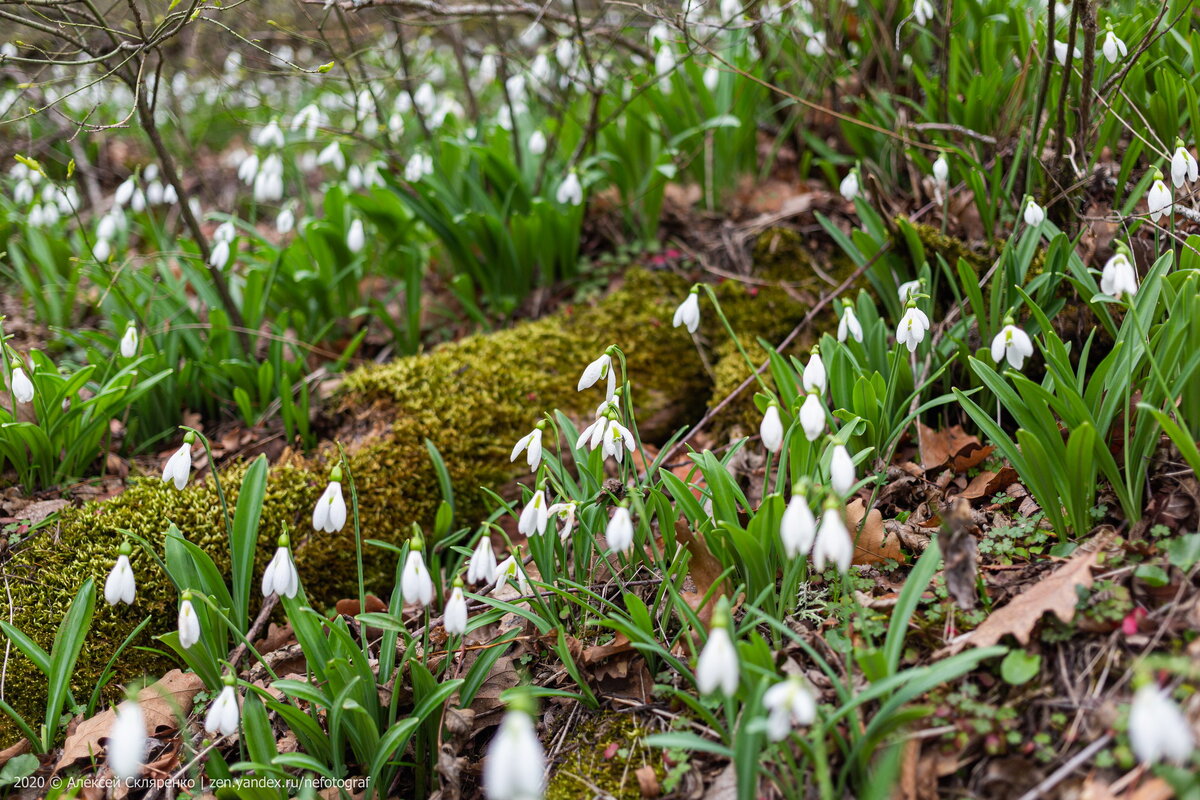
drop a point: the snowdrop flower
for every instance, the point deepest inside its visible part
(798, 528)
(771, 428)
(511, 569)
(482, 566)
(841, 470)
(913, 327)
(270, 136)
(789, 705)
(815, 45)
(565, 513)
(535, 515)
(248, 168)
(125, 191)
(833, 544)
(455, 618)
(908, 290)
(285, 220)
(418, 167)
(717, 667)
(356, 237)
(537, 143)
(814, 373)
(1118, 278)
(941, 170)
(1113, 48)
(179, 465)
(1157, 728)
(711, 78)
(332, 156)
(189, 623)
(617, 439)
(531, 443)
(415, 584)
(218, 257)
(120, 586)
(570, 191)
(309, 119)
(329, 514)
(1183, 165)
(592, 436)
(923, 11)
(1013, 344)
(223, 714)
(619, 533)
(688, 313)
(225, 232)
(848, 326)
(515, 763)
(1035, 215)
(812, 417)
(1158, 199)
(101, 250)
(849, 185)
(280, 576)
(1060, 52)
(129, 341)
(22, 387)
(127, 741)
(601, 367)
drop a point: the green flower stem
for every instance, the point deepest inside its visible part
(712, 295)
(358, 544)
(216, 476)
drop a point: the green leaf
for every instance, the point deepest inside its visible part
(21, 766)
(1184, 551)
(67, 643)
(243, 540)
(1153, 575)
(1019, 667)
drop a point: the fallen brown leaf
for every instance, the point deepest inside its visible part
(988, 483)
(9, 753)
(648, 781)
(704, 569)
(951, 447)
(873, 544)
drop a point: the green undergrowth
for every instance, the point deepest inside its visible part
(602, 757)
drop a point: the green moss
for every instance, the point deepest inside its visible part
(948, 247)
(602, 757)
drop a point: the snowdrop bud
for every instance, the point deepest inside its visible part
(280, 576)
(570, 191)
(138, 202)
(537, 143)
(1035, 215)
(356, 237)
(941, 170)
(688, 313)
(415, 584)
(814, 373)
(711, 78)
(120, 586)
(1119, 278)
(455, 617)
(913, 326)
(1158, 199)
(841, 470)
(515, 765)
(127, 741)
(923, 11)
(482, 567)
(1157, 728)
(223, 714)
(535, 515)
(1013, 344)
(848, 326)
(531, 443)
(125, 191)
(771, 429)
(812, 417)
(189, 623)
(1183, 165)
(908, 290)
(218, 257)
(798, 528)
(1113, 48)
(329, 514)
(179, 465)
(129, 342)
(789, 705)
(22, 387)
(619, 532)
(833, 544)
(718, 665)
(169, 196)
(285, 220)
(849, 185)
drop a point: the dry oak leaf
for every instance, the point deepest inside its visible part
(704, 570)
(1055, 593)
(873, 545)
(951, 447)
(163, 703)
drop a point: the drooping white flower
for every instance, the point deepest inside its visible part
(789, 705)
(125, 191)
(418, 167)
(531, 443)
(848, 326)
(537, 142)
(120, 586)
(22, 387)
(218, 257)
(1013, 344)
(1113, 48)
(415, 584)
(516, 764)
(1118, 278)
(718, 666)
(833, 544)
(841, 470)
(913, 327)
(225, 232)
(814, 378)
(179, 465)
(812, 417)
(189, 623)
(907, 290)
(269, 135)
(129, 341)
(617, 439)
(941, 170)
(329, 514)
(285, 220)
(356, 237)
(455, 617)
(798, 527)
(849, 186)
(1060, 52)
(332, 156)
(570, 191)
(596, 370)
(564, 513)
(771, 429)
(923, 11)
(619, 533)
(1035, 215)
(281, 577)
(688, 313)
(1158, 199)
(1158, 730)
(127, 741)
(482, 566)
(511, 569)
(1183, 165)
(224, 713)
(535, 515)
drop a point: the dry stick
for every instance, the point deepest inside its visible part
(1039, 106)
(1063, 772)
(1088, 11)
(256, 628)
(1068, 60)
